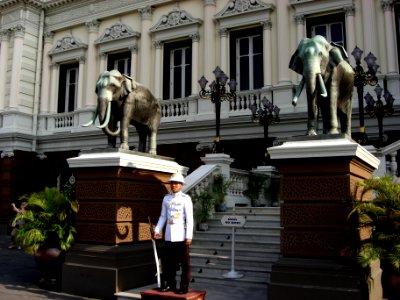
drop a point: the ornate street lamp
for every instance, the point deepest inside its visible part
(361, 79)
(266, 114)
(217, 93)
(378, 109)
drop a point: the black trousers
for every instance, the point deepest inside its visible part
(176, 254)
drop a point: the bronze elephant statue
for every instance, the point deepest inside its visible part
(121, 99)
(329, 82)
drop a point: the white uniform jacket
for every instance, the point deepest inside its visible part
(177, 213)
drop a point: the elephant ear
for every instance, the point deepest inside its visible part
(296, 64)
(342, 50)
(127, 85)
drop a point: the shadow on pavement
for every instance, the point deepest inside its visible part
(19, 276)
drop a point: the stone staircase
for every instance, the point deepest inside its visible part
(257, 247)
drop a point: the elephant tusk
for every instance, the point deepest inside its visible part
(92, 120)
(299, 89)
(87, 124)
(107, 116)
(321, 85)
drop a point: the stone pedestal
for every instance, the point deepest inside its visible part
(318, 176)
(156, 295)
(117, 191)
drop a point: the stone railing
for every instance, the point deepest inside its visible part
(184, 109)
(390, 152)
(219, 164)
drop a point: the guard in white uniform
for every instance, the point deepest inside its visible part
(177, 215)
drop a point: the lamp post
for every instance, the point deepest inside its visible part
(266, 114)
(361, 79)
(217, 93)
(378, 109)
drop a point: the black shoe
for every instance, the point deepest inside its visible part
(182, 291)
(167, 289)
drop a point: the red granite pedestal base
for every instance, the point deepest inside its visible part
(155, 295)
(319, 177)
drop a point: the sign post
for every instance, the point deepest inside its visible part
(233, 221)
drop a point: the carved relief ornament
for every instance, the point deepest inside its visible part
(176, 17)
(235, 7)
(116, 32)
(67, 43)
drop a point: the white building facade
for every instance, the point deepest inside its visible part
(52, 52)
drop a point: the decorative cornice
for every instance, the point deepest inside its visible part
(175, 18)
(67, 43)
(116, 32)
(7, 153)
(387, 5)
(146, 12)
(48, 37)
(223, 32)
(349, 10)
(158, 44)
(267, 24)
(18, 30)
(299, 19)
(209, 2)
(93, 26)
(195, 37)
(4, 35)
(237, 7)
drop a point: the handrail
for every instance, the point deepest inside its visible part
(196, 178)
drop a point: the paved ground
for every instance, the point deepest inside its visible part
(19, 278)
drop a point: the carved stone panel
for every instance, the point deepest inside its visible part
(329, 215)
(313, 243)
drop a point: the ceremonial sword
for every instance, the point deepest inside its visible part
(155, 253)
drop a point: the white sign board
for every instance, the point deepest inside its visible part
(233, 221)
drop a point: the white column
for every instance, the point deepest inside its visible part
(102, 64)
(283, 41)
(145, 46)
(300, 34)
(91, 67)
(80, 82)
(195, 63)
(4, 39)
(158, 70)
(267, 53)
(369, 27)
(134, 54)
(19, 33)
(224, 54)
(392, 67)
(45, 89)
(350, 32)
(209, 39)
(54, 88)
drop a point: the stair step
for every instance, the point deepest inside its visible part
(202, 259)
(245, 281)
(239, 244)
(239, 236)
(257, 248)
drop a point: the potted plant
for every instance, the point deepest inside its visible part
(48, 231)
(380, 218)
(254, 187)
(219, 190)
(203, 203)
